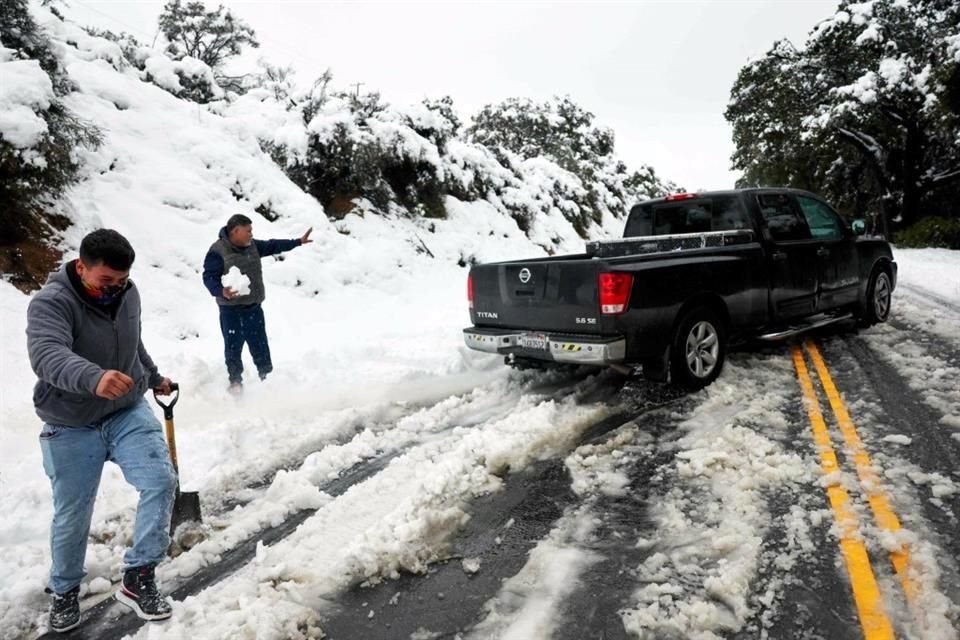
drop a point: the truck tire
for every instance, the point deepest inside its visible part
(876, 307)
(699, 349)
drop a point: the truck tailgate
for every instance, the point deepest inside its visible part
(558, 294)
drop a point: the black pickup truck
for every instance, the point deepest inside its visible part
(693, 272)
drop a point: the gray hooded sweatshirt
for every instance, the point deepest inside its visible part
(73, 342)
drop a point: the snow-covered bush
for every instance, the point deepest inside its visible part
(278, 81)
(186, 78)
(38, 135)
(408, 160)
(132, 51)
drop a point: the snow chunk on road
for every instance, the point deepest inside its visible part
(471, 565)
(939, 485)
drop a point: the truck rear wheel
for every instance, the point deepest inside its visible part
(698, 350)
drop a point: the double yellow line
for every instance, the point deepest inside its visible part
(866, 593)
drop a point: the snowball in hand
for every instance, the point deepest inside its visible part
(236, 281)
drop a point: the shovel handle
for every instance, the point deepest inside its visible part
(172, 445)
(168, 406)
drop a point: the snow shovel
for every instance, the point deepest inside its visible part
(186, 505)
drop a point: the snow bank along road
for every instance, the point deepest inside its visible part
(813, 491)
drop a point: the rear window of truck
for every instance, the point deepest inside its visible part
(716, 213)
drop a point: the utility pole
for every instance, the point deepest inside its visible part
(357, 85)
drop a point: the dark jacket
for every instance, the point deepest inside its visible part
(73, 342)
(222, 255)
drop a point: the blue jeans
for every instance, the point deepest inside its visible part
(239, 324)
(73, 459)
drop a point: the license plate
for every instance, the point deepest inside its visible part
(536, 341)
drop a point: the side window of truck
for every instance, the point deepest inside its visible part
(781, 217)
(823, 222)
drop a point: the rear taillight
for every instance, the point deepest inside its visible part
(679, 196)
(614, 292)
(470, 290)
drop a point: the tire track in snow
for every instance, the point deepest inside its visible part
(492, 547)
(398, 521)
(720, 531)
(242, 484)
(108, 619)
(925, 364)
(727, 540)
(935, 319)
(929, 296)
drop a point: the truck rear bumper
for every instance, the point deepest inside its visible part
(557, 347)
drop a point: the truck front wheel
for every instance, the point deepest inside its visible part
(698, 350)
(877, 307)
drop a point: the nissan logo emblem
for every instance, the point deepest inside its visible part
(525, 275)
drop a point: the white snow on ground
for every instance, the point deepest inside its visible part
(928, 291)
(927, 298)
(936, 270)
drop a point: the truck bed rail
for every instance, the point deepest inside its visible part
(642, 245)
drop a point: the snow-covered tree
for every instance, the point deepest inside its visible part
(212, 37)
(559, 129)
(865, 112)
(563, 132)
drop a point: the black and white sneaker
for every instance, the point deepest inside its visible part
(64, 610)
(139, 592)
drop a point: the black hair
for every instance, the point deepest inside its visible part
(108, 247)
(237, 220)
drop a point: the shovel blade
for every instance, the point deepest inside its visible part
(186, 508)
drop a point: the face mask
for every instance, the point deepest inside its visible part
(110, 294)
(105, 295)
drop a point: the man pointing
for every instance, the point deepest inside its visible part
(241, 314)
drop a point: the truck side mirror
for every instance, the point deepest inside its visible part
(859, 227)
